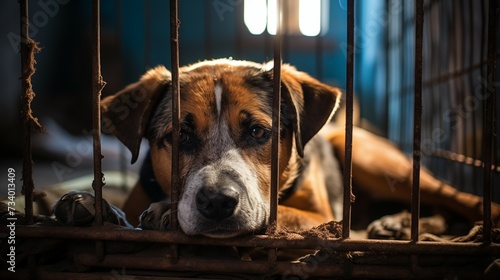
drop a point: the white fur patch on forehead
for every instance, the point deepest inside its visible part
(218, 97)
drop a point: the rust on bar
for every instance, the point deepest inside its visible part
(227, 268)
(176, 104)
(176, 115)
(107, 233)
(97, 86)
(275, 152)
(28, 48)
(296, 270)
(488, 122)
(348, 197)
(417, 119)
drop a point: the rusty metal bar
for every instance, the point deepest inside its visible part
(417, 119)
(488, 122)
(28, 184)
(275, 153)
(28, 47)
(97, 86)
(346, 221)
(326, 268)
(199, 264)
(266, 241)
(176, 104)
(359, 271)
(176, 116)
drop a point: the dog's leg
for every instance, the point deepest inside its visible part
(76, 208)
(156, 217)
(385, 172)
(295, 219)
(398, 226)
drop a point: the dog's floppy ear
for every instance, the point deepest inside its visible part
(312, 103)
(126, 114)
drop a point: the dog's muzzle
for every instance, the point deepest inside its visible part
(222, 199)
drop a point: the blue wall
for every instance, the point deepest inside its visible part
(213, 29)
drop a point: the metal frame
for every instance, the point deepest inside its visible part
(408, 252)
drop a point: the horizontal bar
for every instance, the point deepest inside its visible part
(322, 267)
(358, 271)
(461, 158)
(295, 241)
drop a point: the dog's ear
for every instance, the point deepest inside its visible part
(311, 103)
(126, 114)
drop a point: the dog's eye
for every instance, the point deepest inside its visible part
(186, 140)
(184, 137)
(259, 133)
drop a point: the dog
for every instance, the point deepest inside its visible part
(225, 156)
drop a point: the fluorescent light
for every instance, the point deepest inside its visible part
(306, 17)
(272, 14)
(255, 16)
(310, 17)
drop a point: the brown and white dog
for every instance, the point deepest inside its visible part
(225, 154)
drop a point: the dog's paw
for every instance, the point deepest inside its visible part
(393, 227)
(156, 217)
(76, 208)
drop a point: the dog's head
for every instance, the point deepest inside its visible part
(225, 138)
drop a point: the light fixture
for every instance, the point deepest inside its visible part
(255, 16)
(310, 17)
(303, 17)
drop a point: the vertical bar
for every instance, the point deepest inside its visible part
(346, 221)
(489, 121)
(401, 83)
(417, 119)
(176, 115)
(388, 69)
(97, 85)
(276, 116)
(27, 176)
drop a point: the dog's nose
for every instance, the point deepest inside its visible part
(217, 204)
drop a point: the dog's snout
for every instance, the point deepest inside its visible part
(217, 204)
